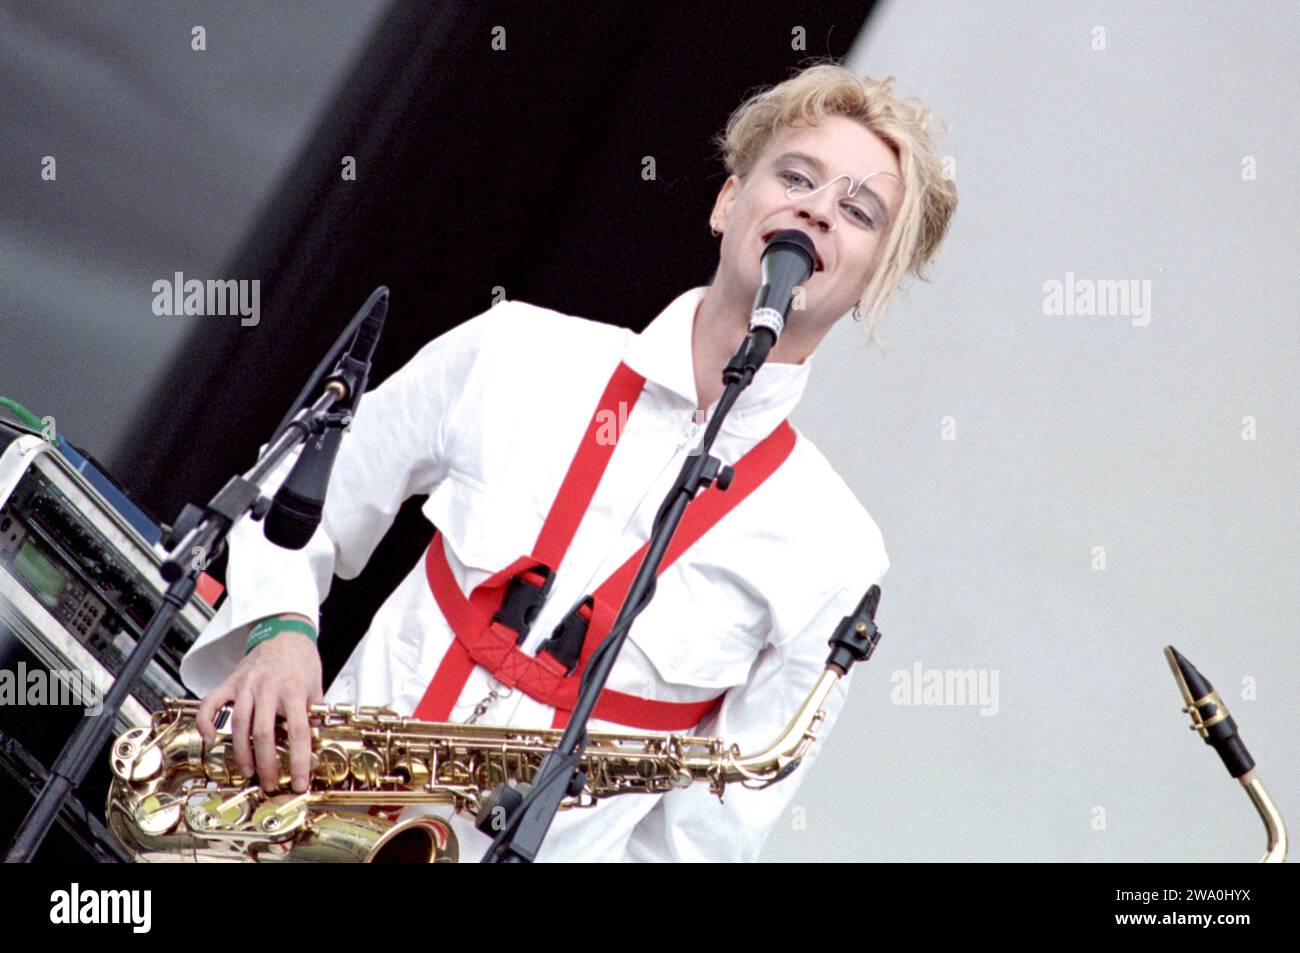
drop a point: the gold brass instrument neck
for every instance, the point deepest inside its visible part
(784, 754)
(1275, 853)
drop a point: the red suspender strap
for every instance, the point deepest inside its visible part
(701, 514)
(588, 466)
(575, 494)
(539, 675)
(492, 644)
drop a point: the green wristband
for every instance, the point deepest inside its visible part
(270, 628)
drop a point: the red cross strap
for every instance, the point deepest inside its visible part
(481, 640)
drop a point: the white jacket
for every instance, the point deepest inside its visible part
(485, 419)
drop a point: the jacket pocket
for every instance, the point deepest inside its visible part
(486, 527)
(693, 647)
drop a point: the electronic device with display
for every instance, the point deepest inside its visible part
(78, 582)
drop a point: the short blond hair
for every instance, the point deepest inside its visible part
(929, 195)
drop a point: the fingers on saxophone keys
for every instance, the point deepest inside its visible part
(268, 762)
(299, 743)
(203, 720)
(240, 724)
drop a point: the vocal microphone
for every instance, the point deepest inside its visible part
(296, 509)
(787, 261)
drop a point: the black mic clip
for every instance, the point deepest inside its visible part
(350, 378)
(340, 420)
(749, 357)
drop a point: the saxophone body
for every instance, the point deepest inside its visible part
(173, 799)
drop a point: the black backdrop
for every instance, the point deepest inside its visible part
(476, 168)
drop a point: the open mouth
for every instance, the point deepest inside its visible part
(818, 265)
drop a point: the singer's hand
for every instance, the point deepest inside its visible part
(282, 676)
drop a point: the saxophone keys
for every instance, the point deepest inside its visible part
(134, 761)
(157, 814)
(412, 772)
(330, 765)
(219, 765)
(209, 812)
(280, 816)
(367, 768)
(489, 774)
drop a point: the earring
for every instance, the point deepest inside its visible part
(715, 232)
(857, 314)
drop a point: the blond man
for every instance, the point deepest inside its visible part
(490, 420)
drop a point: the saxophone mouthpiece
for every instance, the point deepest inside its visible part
(1210, 716)
(856, 636)
(1210, 719)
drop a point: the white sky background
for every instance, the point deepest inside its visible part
(1075, 432)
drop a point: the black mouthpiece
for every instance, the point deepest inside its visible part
(1198, 686)
(856, 636)
(1210, 716)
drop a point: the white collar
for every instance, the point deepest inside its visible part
(663, 353)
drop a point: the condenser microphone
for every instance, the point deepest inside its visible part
(297, 507)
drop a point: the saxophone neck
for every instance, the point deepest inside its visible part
(1275, 852)
(854, 640)
(1210, 719)
(783, 755)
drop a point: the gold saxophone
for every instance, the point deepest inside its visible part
(172, 799)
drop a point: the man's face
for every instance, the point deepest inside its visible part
(847, 240)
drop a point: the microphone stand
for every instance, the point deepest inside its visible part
(196, 539)
(528, 816)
